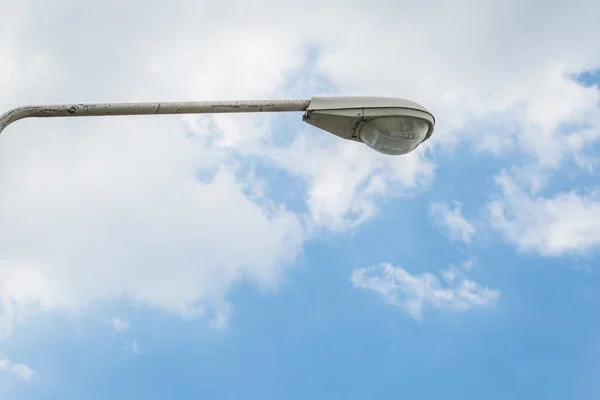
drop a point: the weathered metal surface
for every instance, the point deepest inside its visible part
(115, 109)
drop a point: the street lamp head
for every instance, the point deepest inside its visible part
(388, 125)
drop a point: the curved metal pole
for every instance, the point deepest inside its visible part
(115, 109)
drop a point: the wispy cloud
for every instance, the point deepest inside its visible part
(20, 371)
(415, 293)
(220, 317)
(119, 325)
(452, 221)
(134, 347)
(469, 263)
(565, 223)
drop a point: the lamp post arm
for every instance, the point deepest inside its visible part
(116, 109)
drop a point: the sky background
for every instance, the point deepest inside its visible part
(254, 256)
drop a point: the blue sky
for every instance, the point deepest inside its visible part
(254, 256)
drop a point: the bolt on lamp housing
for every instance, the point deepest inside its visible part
(388, 125)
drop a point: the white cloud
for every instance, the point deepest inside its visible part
(345, 179)
(452, 222)
(564, 223)
(414, 294)
(176, 244)
(119, 325)
(20, 371)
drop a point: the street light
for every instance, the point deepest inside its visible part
(386, 124)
